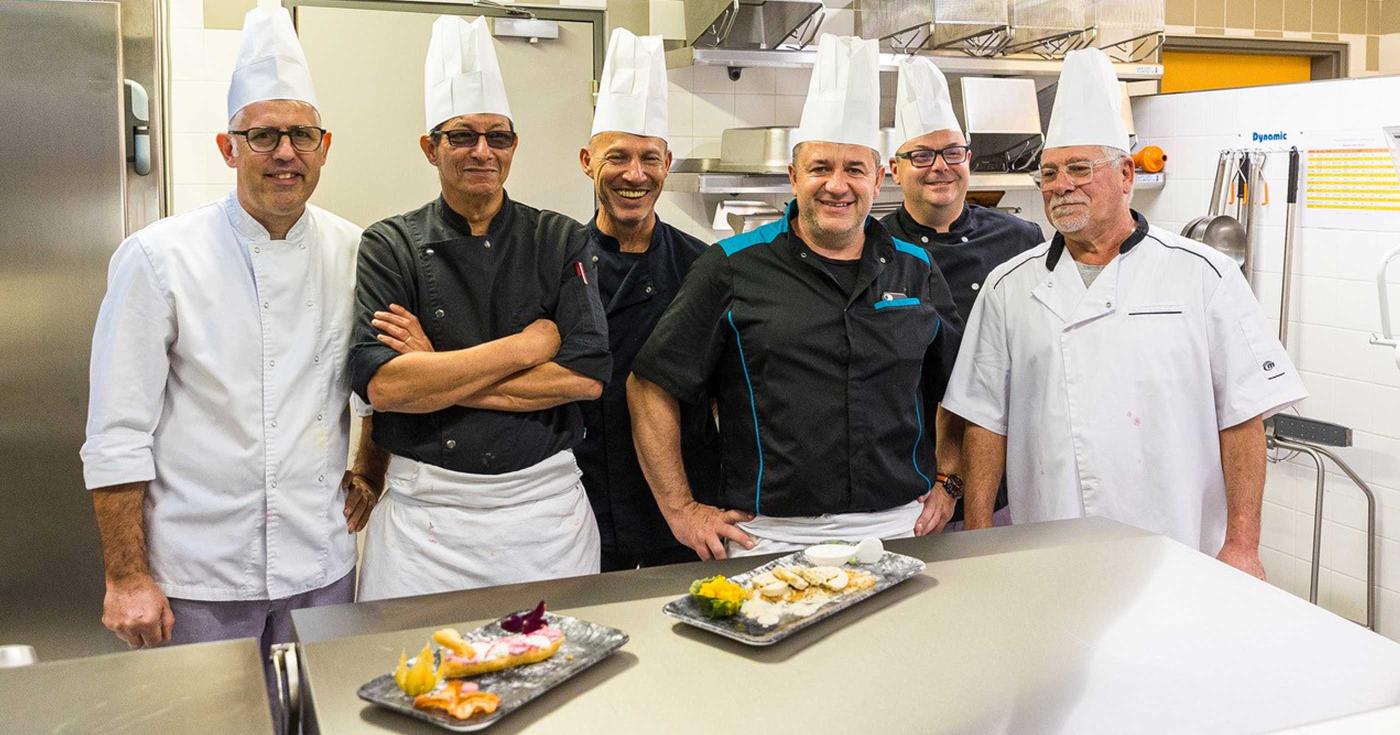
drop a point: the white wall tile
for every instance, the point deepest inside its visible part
(787, 109)
(187, 60)
(753, 110)
(221, 51)
(711, 78)
(198, 107)
(186, 13)
(195, 159)
(714, 112)
(1346, 596)
(680, 109)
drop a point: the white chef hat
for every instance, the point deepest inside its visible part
(1088, 104)
(922, 104)
(843, 99)
(461, 75)
(632, 94)
(271, 64)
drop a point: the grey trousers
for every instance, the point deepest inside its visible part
(270, 621)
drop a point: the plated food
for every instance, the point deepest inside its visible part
(471, 679)
(768, 603)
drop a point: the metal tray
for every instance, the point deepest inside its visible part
(889, 571)
(584, 644)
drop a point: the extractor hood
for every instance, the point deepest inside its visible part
(750, 24)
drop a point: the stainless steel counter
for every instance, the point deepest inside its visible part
(1074, 626)
(208, 688)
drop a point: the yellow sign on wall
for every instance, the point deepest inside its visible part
(1192, 71)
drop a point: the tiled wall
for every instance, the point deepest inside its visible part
(1333, 310)
(1360, 23)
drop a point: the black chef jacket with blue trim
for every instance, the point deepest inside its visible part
(635, 290)
(824, 396)
(980, 239)
(470, 289)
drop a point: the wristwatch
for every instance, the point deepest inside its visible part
(952, 484)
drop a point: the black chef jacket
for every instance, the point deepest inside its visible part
(636, 289)
(823, 396)
(979, 240)
(466, 290)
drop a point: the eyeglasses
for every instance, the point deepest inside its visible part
(953, 155)
(305, 138)
(498, 139)
(1078, 172)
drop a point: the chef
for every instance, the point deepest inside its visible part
(966, 240)
(1118, 370)
(482, 487)
(218, 414)
(641, 262)
(826, 342)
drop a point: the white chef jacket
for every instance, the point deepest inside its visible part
(219, 375)
(1112, 397)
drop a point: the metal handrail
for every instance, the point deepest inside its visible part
(1317, 453)
(1386, 338)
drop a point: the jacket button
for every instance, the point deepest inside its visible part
(439, 313)
(488, 243)
(923, 239)
(882, 260)
(976, 286)
(450, 444)
(964, 238)
(595, 259)
(429, 251)
(648, 289)
(803, 254)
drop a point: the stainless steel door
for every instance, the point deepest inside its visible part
(61, 206)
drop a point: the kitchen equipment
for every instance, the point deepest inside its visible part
(751, 24)
(889, 571)
(977, 27)
(1049, 28)
(1222, 231)
(67, 199)
(1127, 30)
(1290, 225)
(1151, 159)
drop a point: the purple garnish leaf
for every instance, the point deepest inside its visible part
(526, 623)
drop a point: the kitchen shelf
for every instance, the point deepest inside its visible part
(713, 182)
(703, 181)
(1000, 66)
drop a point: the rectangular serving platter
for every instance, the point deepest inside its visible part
(585, 644)
(889, 571)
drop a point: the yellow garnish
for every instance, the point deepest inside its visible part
(421, 677)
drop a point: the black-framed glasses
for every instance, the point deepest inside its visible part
(305, 138)
(1077, 172)
(953, 155)
(498, 139)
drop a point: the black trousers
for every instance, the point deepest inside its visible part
(614, 560)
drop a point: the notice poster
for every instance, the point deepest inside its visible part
(1349, 181)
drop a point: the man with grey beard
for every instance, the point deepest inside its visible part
(1117, 370)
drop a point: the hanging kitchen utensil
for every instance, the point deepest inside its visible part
(1289, 225)
(1191, 228)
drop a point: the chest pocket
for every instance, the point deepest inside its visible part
(1160, 337)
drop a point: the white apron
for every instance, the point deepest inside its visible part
(773, 535)
(436, 530)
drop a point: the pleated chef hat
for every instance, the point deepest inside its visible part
(461, 75)
(1088, 104)
(632, 95)
(922, 104)
(843, 99)
(271, 64)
